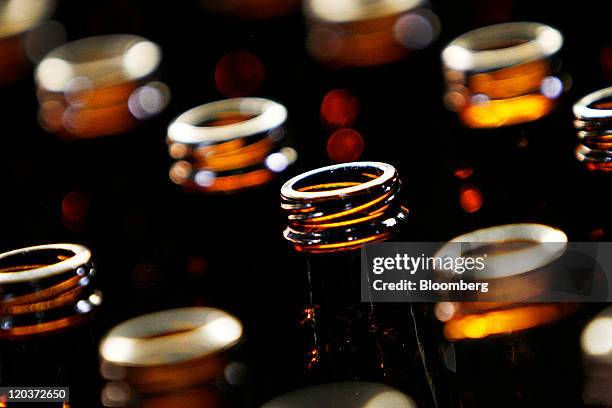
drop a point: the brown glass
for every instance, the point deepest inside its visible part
(50, 345)
(343, 338)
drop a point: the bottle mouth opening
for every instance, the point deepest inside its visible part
(226, 118)
(192, 346)
(100, 86)
(41, 262)
(517, 266)
(204, 124)
(343, 178)
(595, 106)
(171, 337)
(501, 45)
(229, 145)
(503, 75)
(25, 261)
(343, 206)
(103, 60)
(340, 180)
(46, 289)
(603, 104)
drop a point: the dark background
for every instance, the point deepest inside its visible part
(158, 247)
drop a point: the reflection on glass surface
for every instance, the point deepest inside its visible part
(229, 146)
(503, 75)
(359, 33)
(99, 86)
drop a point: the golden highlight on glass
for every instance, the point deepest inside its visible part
(516, 267)
(17, 18)
(593, 120)
(46, 289)
(331, 213)
(229, 145)
(503, 74)
(359, 33)
(174, 357)
(522, 341)
(99, 86)
(343, 206)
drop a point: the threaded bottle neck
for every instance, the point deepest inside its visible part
(342, 207)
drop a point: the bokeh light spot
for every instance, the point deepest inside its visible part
(139, 59)
(470, 199)
(115, 393)
(463, 172)
(149, 100)
(239, 73)
(76, 205)
(597, 337)
(454, 100)
(54, 74)
(51, 115)
(345, 145)
(480, 99)
(551, 87)
(178, 150)
(597, 233)
(180, 172)
(290, 153)
(197, 265)
(415, 31)
(205, 178)
(277, 162)
(444, 311)
(83, 307)
(339, 108)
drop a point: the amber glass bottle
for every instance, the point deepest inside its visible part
(332, 212)
(593, 116)
(512, 349)
(48, 297)
(177, 357)
(99, 86)
(503, 75)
